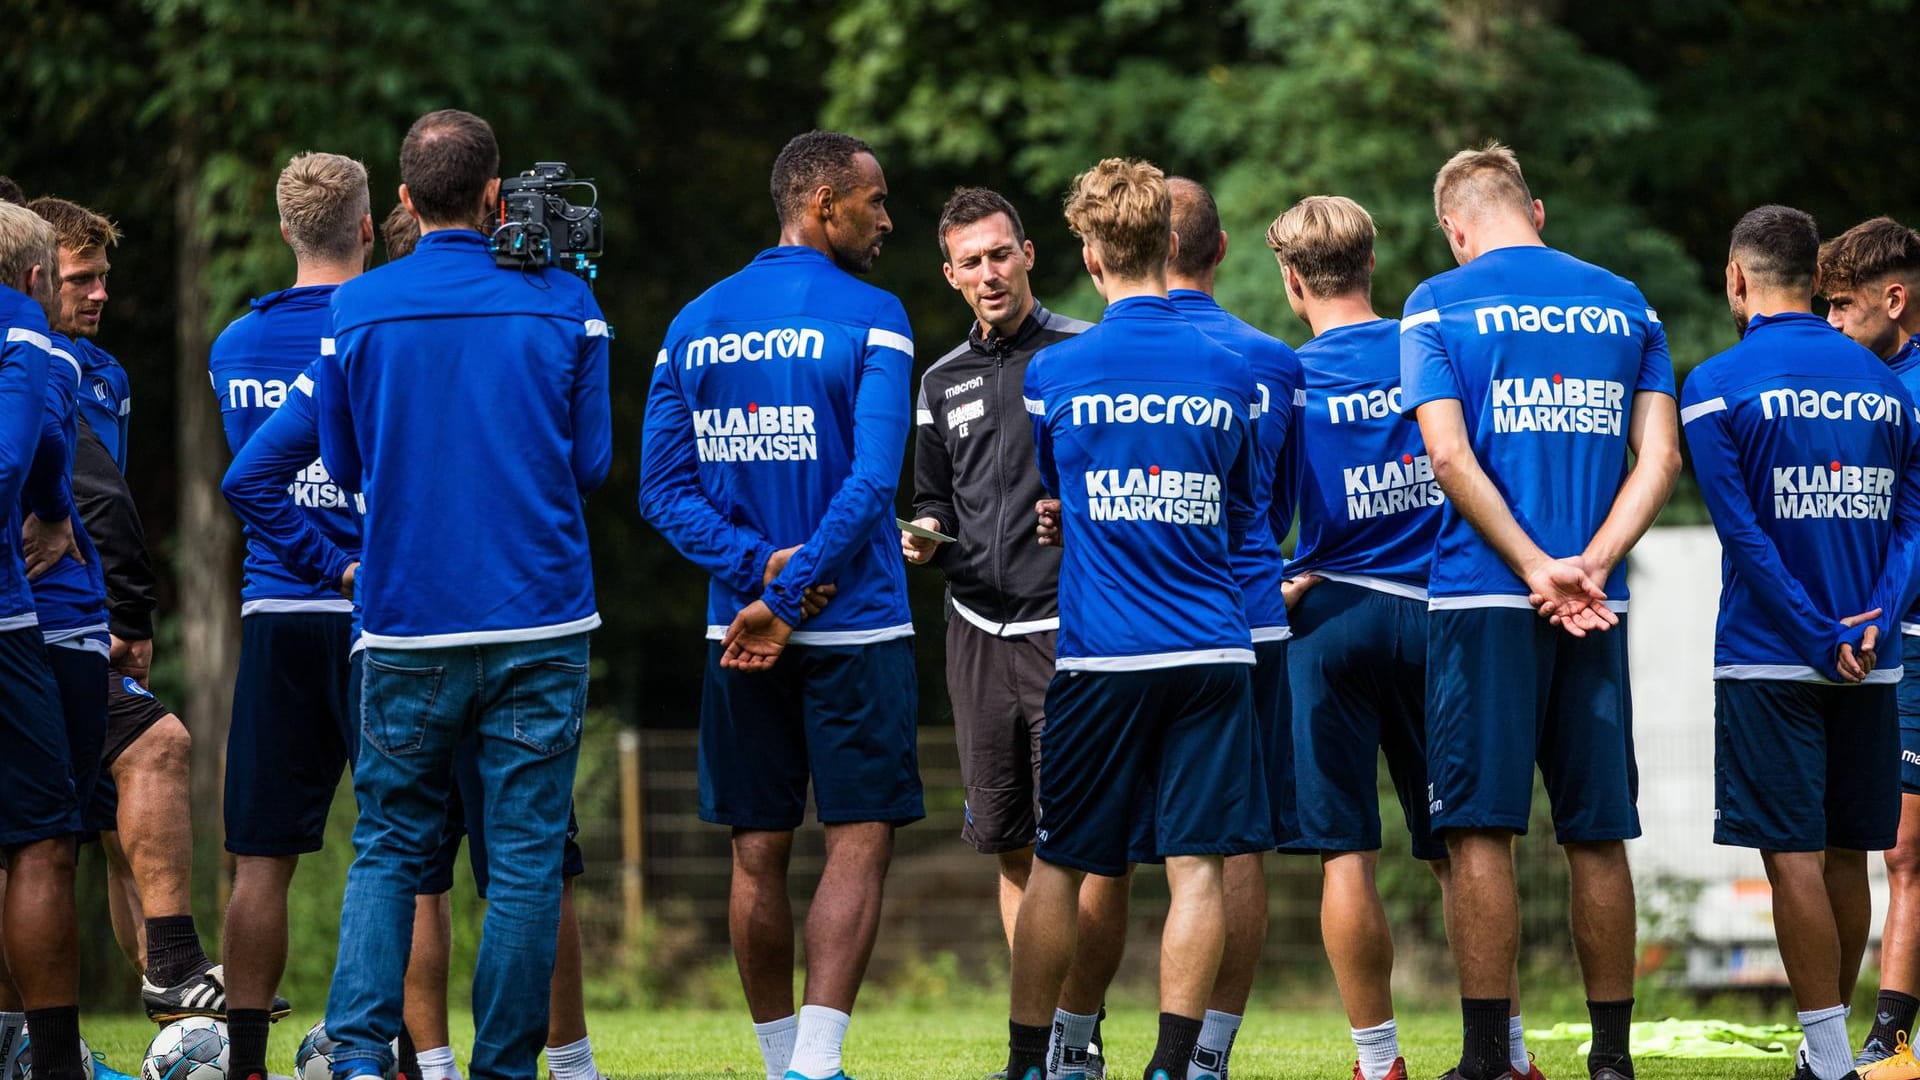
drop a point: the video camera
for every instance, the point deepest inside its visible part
(538, 227)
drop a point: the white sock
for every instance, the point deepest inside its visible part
(1067, 1047)
(776, 1044)
(436, 1063)
(1516, 1048)
(816, 1046)
(1828, 1053)
(1215, 1044)
(573, 1061)
(12, 1026)
(1379, 1048)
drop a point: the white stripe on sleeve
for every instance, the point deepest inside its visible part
(598, 328)
(1035, 406)
(304, 384)
(326, 346)
(31, 337)
(887, 339)
(1419, 319)
(1702, 408)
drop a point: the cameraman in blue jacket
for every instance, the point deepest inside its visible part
(470, 404)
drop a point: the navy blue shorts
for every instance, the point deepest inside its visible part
(466, 820)
(842, 715)
(292, 736)
(1801, 766)
(1507, 690)
(1909, 697)
(39, 801)
(1359, 675)
(80, 675)
(1174, 742)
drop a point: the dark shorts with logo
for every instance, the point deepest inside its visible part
(1804, 766)
(1506, 691)
(1172, 743)
(998, 686)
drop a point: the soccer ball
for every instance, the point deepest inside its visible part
(314, 1059)
(190, 1049)
(23, 1065)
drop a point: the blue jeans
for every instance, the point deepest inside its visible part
(523, 702)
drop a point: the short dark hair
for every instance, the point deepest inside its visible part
(10, 192)
(1777, 245)
(401, 232)
(1196, 218)
(1868, 254)
(807, 162)
(77, 228)
(970, 204)
(446, 161)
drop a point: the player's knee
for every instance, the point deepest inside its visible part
(1903, 864)
(166, 748)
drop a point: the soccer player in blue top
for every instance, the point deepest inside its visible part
(1357, 597)
(1805, 445)
(1257, 565)
(1142, 431)
(464, 399)
(1870, 276)
(39, 809)
(1534, 377)
(291, 737)
(774, 433)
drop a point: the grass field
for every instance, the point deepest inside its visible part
(964, 1043)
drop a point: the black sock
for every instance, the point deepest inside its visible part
(247, 1042)
(56, 1043)
(1893, 1016)
(1612, 1024)
(174, 954)
(1483, 1039)
(1175, 1049)
(409, 1063)
(1026, 1049)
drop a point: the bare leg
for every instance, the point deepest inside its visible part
(123, 903)
(1195, 933)
(255, 944)
(1443, 873)
(1014, 868)
(9, 993)
(155, 833)
(1847, 891)
(1603, 918)
(1483, 911)
(43, 945)
(760, 922)
(1353, 923)
(1043, 942)
(1245, 899)
(427, 963)
(845, 916)
(1900, 940)
(567, 1006)
(1804, 924)
(1101, 941)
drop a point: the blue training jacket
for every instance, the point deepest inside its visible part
(261, 483)
(1545, 354)
(1258, 565)
(1141, 429)
(779, 415)
(71, 597)
(255, 365)
(1905, 365)
(471, 403)
(1804, 444)
(1369, 505)
(106, 397)
(26, 349)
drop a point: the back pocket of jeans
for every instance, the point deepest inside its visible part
(549, 698)
(396, 704)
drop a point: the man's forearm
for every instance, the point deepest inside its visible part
(1473, 495)
(1654, 439)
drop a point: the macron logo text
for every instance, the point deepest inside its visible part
(1152, 409)
(1551, 319)
(252, 393)
(1371, 405)
(785, 343)
(1830, 405)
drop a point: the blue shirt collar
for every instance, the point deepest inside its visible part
(304, 296)
(1787, 318)
(788, 252)
(452, 239)
(1142, 305)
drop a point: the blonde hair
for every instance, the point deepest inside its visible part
(75, 227)
(1475, 181)
(26, 241)
(1121, 207)
(1328, 240)
(322, 199)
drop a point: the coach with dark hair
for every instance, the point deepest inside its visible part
(470, 404)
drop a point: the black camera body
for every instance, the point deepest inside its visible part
(538, 227)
